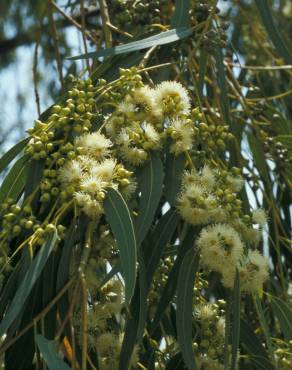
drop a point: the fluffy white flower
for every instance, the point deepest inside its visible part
(253, 271)
(236, 183)
(133, 155)
(105, 170)
(151, 135)
(91, 184)
(259, 217)
(195, 204)
(172, 98)
(95, 144)
(126, 107)
(90, 206)
(146, 97)
(71, 172)
(182, 134)
(220, 246)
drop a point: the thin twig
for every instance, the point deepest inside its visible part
(83, 30)
(105, 20)
(116, 29)
(73, 21)
(56, 41)
(38, 317)
(35, 78)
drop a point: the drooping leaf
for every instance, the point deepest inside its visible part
(173, 172)
(29, 279)
(131, 329)
(49, 352)
(283, 311)
(14, 181)
(185, 288)
(272, 30)
(162, 38)
(12, 153)
(235, 332)
(264, 325)
(254, 347)
(180, 16)
(151, 181)
(171, 284)
(159, 238)
(119, 218)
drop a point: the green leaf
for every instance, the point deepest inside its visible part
(171, 284)
(283, 311)
(272, 30)
(264, 325)
(173, 171)
(257, 153)
(27, 283)
(158, 239)
(151, 180)
(14, 182)
(254, 347)
(119, 218)
(180, 16)
(235, 321)
(185, 288)
(162, 38)
(12, 153)
(48, 349)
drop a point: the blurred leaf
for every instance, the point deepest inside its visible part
(272, 30)
(119, 218)
(12, 153)
(160, 39)
(171, 284)
(14, 181)
(131, 328)
(29, 279)
(151, 181)
(254, 347)
(264, 325)
(185, 289)
(235, 325)
(173, 172)
(257, 153)
(48, 349)
(159, 238)
(180, 16)
(283, 311)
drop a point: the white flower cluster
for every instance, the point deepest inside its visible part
(89, 175)
(208, 198)
(147, 116)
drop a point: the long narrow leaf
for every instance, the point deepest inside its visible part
(180, 16)
(272, 30)
(162, 38)
(119, 218)
(48, 349)
(173, 172)
(283, 311)
(185, 288)
(151, 180)
(28, 282)
(14, 182)
(12, 153)
(235, 321)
